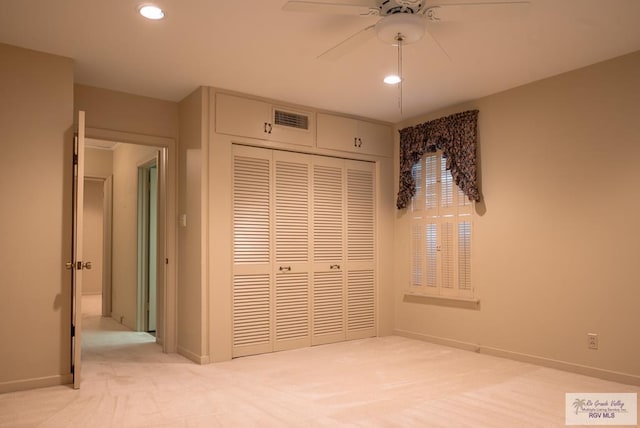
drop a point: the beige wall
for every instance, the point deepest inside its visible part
(93, 223)
(98, 163)
(36, 118)
(192, 301)
(120, 111)
(126, 160)
(555, 244)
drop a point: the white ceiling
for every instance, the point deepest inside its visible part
(253, 46)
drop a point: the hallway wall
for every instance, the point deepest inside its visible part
(126, 159)
(93, 235)
(36, 120)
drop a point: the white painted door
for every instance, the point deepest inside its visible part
(292, 236)
(361, 240)
(153, 247)
(328, 251)
(77, 264)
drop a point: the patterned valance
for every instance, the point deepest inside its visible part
(456, 136)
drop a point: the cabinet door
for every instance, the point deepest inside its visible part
(245, 117)
(336, 133)
(242, 117)
(355, 136)
(375, 139)
(292, 126)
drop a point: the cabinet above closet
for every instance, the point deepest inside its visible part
(245, 117)
(353, 135)
(262, 120)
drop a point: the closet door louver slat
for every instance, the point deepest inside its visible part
(360, 215)
(292, 306)
(360, 301)
(251, 221)
(251, 311)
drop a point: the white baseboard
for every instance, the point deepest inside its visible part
(198, 359)
(40, 382)
(526, 358)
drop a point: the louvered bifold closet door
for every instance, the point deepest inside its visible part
(252, 267)
(292, 235)
(361, 236)
(329, 297)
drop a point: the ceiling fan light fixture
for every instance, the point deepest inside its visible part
(392, 79)
(411, 27)
(151, 11)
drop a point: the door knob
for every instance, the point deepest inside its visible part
(68, 265)
(86, 265)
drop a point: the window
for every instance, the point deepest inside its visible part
(441, 224)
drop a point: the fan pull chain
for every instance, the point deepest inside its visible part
(400, 38)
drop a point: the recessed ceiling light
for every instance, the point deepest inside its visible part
(392, 79)
(150, 11)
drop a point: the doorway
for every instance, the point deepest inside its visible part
(131, 278)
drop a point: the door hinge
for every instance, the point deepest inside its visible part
(73, 331)
(75, 148)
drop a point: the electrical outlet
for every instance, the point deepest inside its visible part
(592, 340)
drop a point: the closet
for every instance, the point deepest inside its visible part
(303, 250)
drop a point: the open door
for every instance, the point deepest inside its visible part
(77, 265)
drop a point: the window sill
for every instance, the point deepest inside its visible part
(450, 301)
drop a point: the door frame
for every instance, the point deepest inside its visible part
(166, 329)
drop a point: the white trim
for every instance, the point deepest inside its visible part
(436, 299)
(596, 372)
(198, 359)
(36, 382)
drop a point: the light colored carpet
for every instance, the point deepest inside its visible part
(380, 382)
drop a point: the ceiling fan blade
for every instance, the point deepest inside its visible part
(437, 42)
(346, 46)
(354, 7)
(477, 11)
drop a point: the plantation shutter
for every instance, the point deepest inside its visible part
(440, 231)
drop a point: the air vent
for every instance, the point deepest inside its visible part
(291, 120)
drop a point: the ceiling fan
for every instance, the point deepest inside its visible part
(402, 21)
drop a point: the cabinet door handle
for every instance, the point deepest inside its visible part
(357, 142)
(265, 128)
(268, 127)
